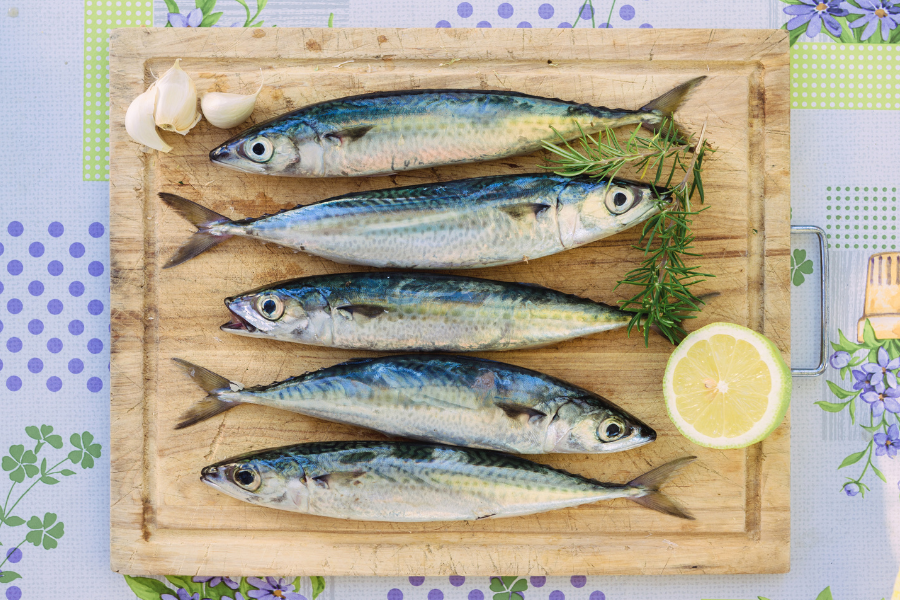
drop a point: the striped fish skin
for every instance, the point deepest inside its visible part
(416, 312)
(468, 223)
(412, 482)
(388, 132)
(445, 399)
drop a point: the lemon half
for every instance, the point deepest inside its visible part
(726, 386)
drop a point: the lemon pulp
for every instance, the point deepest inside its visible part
(726, 386)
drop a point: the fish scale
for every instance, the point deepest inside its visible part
(408, 482)
(448, 399)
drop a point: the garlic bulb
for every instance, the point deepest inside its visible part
(228, 110)
(139, 121)
(176, 105)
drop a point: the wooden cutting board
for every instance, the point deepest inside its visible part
(164, 520)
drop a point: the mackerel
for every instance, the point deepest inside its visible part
(468, 223)
(416, 312)
(387, 132)
(455, 400)
(409, 482)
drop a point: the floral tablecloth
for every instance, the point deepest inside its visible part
(55, 321)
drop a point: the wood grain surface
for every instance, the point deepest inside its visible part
(164, 520)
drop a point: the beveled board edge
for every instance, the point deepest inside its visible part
(138, 547)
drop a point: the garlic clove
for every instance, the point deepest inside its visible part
(176, 105)
(226, 110)
(139, 121)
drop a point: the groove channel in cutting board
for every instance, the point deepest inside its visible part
(164, 520)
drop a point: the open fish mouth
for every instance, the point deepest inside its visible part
(211, 476)
(238, 323)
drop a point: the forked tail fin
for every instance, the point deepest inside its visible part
(202, 218)
(651, 481)
(666, 105)
(213, 404)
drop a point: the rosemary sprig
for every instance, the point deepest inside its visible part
(665, 298)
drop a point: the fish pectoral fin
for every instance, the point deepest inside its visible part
(523, 211)
(521, 413)
(358, 312)
(352, 134)
(336, 479)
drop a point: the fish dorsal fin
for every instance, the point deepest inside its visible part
(359, 312)
(352, 134)
(525, 210)
(519, 412)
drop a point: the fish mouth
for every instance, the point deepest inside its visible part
(219, 155)
(642, 437)
(237, 324)
(211, 476)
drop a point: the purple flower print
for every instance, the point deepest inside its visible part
(862, 381)
(883, 369)
(182, 595)
(851, 489)
(882, 399)
(237, 596)
(886, 443)
(840, 359)
(192, 19)
(273, 588)
(875, 12)
(816, 13)
(214, 581)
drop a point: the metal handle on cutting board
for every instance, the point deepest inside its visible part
(823, 260)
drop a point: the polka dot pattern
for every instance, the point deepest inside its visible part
(861, 217)
(49, 343)
(570, 587)
(100, 17)
(546, 14)
(845, 76)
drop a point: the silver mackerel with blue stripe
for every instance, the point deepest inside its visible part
(456, 400)
(468, 223)
(416, 312)
(388, 132)
(408, 482)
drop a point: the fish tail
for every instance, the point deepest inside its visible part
(650, 483)
(666, 105)
(202, 218)
(213, 404)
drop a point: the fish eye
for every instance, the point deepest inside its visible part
(611, 430)
(619, 199)
(247, 478)
(270, 306)
(259, 149)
